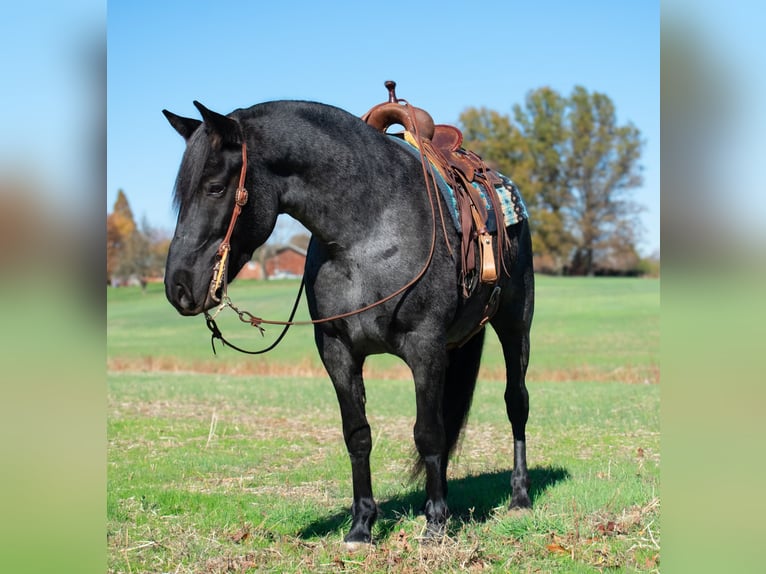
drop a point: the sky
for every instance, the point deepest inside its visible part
(444, 57)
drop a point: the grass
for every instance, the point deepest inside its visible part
(604, 329)
(214, 471)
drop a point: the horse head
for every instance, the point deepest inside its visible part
(205, 192)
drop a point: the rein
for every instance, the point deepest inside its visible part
(219, 270)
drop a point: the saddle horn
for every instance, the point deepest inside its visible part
(396, 111)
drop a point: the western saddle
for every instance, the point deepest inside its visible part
(460, 168)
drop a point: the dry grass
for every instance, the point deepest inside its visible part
(249, 548)
(308, 368)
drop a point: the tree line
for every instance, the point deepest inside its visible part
(575, 164)
(576, 168)
(133, 253)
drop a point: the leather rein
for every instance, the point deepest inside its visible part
(218, 280)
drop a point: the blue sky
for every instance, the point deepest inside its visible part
(232, 54)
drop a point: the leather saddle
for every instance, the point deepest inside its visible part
(441, 145)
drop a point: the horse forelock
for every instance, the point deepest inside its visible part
(190, 172)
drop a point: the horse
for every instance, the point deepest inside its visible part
(364, 200)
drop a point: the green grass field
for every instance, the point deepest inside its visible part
(237, 464)
(584, 329)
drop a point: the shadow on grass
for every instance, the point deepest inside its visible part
(471, 499)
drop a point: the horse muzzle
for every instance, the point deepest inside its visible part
(181, 292)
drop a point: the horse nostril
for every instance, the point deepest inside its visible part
(183, 297)
(179, 288)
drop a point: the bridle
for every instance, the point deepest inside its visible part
(240, 199)
(218, 280)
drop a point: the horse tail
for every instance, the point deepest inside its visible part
(459, 385)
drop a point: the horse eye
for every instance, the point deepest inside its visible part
(216, 189)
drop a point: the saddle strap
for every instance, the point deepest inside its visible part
(460, 170)
(488, 271)
(487, 179)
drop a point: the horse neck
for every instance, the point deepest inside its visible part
(340, 180)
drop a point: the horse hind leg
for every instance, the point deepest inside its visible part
(512, 329)
(428, 369)
(459, 386)
(346, 374)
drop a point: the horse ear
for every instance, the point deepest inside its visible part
(220, 129)
(184, 126)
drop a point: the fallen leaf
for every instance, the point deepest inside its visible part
(607, 528)
(557, 549)
(240, 536)
(402, 540)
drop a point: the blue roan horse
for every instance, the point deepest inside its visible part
(364, 199)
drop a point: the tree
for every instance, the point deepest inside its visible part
(120, 227)
(158, 244)
(516, 151)
(602, 165)
(300, 241)
(542, 127)
(262, 254)
(130, 251)
(574, 166)
(493, 136)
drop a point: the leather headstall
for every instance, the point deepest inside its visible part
(240, 199)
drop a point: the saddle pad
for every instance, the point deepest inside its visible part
(514, 208)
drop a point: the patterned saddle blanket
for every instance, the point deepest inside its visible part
(513, 206)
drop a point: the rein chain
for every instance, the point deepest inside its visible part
(219, 270)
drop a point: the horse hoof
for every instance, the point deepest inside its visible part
(517, 511)
(357, 540)
(520, 503)
(355, 547)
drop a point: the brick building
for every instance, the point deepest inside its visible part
(287, 262)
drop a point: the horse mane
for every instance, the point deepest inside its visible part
(192, 164)
(327, 117)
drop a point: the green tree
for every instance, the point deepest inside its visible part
(574, 166)
(602, 167)
(506, 148)
(545, 134)
(494, 137)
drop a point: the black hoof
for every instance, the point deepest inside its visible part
(436, 520)
(358, 536)
(520, 501)
(356, 546)
(364, 512)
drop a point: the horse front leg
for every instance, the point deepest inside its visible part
(346, 374)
